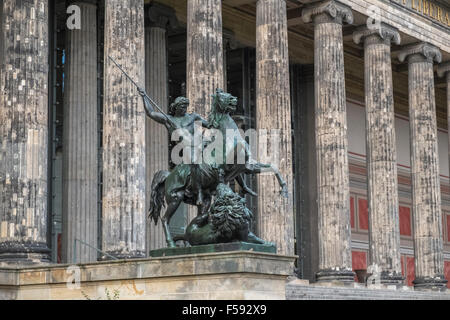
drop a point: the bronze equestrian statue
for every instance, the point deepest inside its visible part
(227, 219)
(197, 183)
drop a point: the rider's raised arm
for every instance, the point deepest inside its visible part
(150, 110)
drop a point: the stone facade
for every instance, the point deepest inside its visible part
(331, 139)
(80, 167)
(381, 147)
(111, 153)
(427, 216)
(273, 97)
(123, 213)
(24, 131)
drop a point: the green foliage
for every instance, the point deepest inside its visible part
(115, 295)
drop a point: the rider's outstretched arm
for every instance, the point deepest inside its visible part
(157, 116)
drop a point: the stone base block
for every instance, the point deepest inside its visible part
(220, 276)
(211, 248)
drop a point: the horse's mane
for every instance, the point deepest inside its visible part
(216, 115)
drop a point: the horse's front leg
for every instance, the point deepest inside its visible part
(172, 207)
(240, 180)
(260, 167)
(284, 190)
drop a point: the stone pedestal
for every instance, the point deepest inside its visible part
(335, 261)
(238, 275)
(212, 248)
(426, 191)
(80, 139)
(273, 112)
(384, 229)
(24, 131)
(123, 212)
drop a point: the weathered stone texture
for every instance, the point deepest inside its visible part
(427, 216)
(384, 229)
(275, 213)
(204, 53)
(80, 167)
(24, 130)
(215, 276)
(156, 80)
(205, 66)
(444, 71)
(124, 176)
(335, 261)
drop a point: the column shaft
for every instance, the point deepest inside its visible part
(24, 131)
(124, 176)
(275, 213)
(384, 229)
(444, 71)
(204, 53)
(157, 154)
(80, 185)
(205, 71)
(427, 217)
(335, 262)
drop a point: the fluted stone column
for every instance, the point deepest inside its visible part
(273, 105)
(204, 53)
(335, 261)
(427, 216)
(159, 17)
(384, 229)
(24, 131)
(205, 71)
(80, 185)
(123, 209)
(444, 71)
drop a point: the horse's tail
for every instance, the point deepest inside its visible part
(157, 195)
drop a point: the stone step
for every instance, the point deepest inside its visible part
(315, 292)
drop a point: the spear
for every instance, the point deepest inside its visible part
(139, 88)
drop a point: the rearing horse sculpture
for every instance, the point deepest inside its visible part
(196, 183)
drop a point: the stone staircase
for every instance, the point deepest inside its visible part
(301, 290)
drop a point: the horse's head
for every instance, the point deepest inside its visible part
(224, 102)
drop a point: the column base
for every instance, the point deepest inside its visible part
(120, 255)
(29, 252)
(388, 278)
(438, 283)
(329, 275)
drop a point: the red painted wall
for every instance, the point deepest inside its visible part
(405, 221)
(447, 272)
(363, 214)
(352, 212)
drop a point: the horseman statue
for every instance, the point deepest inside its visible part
(204, 181)
(225, 219)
